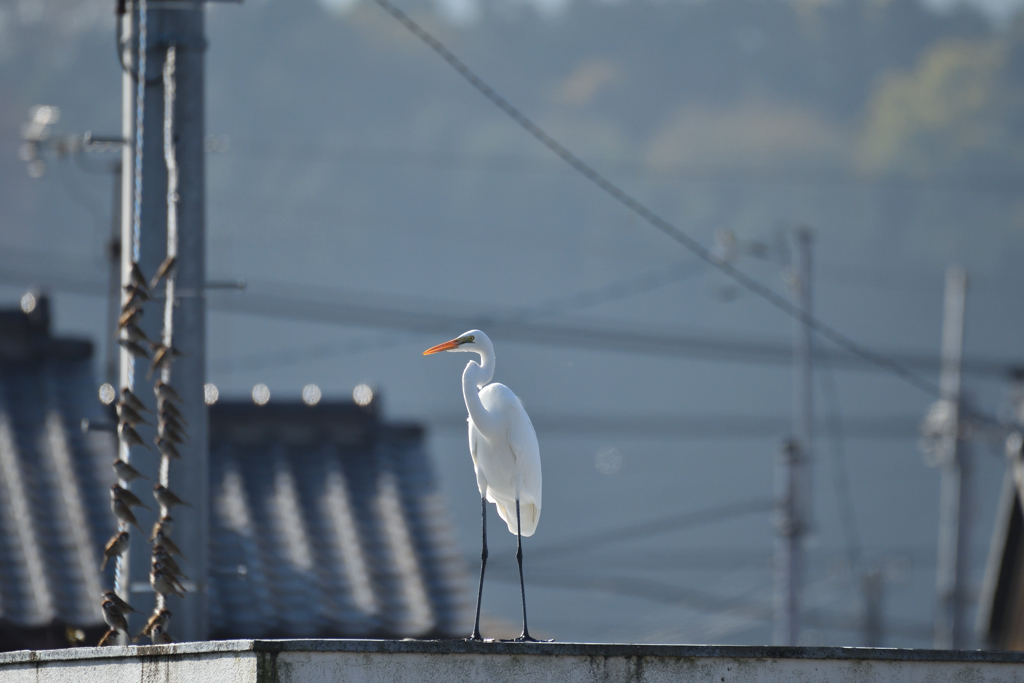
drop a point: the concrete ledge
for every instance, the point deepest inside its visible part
(301, 661)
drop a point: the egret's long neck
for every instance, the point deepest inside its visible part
(475, 377)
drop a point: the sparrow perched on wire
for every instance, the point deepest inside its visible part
(137, 279)
(129, 316)
(164, 524)
(159, 618)
(168, 409)
(117, 544)
(121, 605)
(169, 427)
(134, 300)
(164, 270)
(169, 433)
(135, 333)
(133, 402)
(166, 392)
(130, 415)
(133, 348)
(131, 289)
(126, 472)
(162, 358)
(164, 582)
(118, 492)
(113, 616)
(163, 538)
(166, 447)
(163, 556)
(166, 497)
(130, 436)
(124, 513)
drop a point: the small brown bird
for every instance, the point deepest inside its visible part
(163, 356)
(134, 300)
(164, 524)
(133, 402)
(137, 279)
(130, 436)
(134, 290)
(168, 433)
(129, 316)
(118, 492)
(164, 582)
(121, 605)
(113, 616)
(166, 447)
(163, 556)
(172, 429)
(169, 420)
(159, 635)
(124, 513)
(126, 472)
(166, 497)
(164, 270)
(168, 409)
(130, 415)
(117, 544)
(162, 538)
(166, 392)
(133, 348)
(159, 618)
(135, 334)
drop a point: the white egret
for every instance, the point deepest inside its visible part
(506, 457)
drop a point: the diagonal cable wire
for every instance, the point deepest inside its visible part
(608, 187)
(675, 522)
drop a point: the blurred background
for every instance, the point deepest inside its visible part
(358, 186)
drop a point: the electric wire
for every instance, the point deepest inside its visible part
(607, 293)
(649, 216)
(654, 527)
(427, 317)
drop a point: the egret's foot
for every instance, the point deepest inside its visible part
(527, 638)
(474, 637)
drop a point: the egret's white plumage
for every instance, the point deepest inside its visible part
(503, 445)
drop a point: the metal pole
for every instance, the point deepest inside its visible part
(953, 504)
(110, 364)
(794, 473)
(179, 23)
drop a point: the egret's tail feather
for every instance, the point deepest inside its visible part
(528, 511)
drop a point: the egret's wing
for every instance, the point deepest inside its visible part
(523, 440)
(474, 445)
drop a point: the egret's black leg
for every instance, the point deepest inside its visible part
(483, 565)
(522, 584)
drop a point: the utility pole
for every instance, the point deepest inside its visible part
(793, 472)
(178, 23)
(951, 455)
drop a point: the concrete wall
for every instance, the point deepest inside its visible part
(308, 661)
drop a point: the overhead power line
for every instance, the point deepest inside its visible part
(650, 217)
(693, 426)
(358, 309)
(654, 527)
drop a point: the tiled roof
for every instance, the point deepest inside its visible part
(54, 515)
(325, 520)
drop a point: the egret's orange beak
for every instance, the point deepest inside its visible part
(447, 346)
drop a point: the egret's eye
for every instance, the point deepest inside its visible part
(467, 339)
